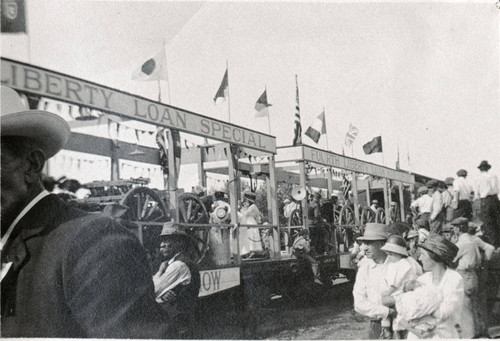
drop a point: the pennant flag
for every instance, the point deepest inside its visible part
(297, 139)
(318, 128)
(346, 186)
(351, 134)
(374, 146)
(262, 106)
(155, 68)
(397, 161)
(13, 16)
(223, 89)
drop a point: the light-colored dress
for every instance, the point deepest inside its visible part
(250, 239)
(449, 311)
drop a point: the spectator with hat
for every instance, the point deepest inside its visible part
(317, 225)
(177, 282)
(437, 216)
(422, 226)
(65, 273)
(370, 279)
(448, 199)
(423, 204)
(412, 244)
(462, 195)
(486, 189)
(468, 259)
(437, 255)
(400, 268)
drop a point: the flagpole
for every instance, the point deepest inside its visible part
(159, 91)
(326, 132)
(268, 114)
(228, 96)
(168, 74)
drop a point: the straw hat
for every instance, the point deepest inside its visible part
(172, 229)
(221, 213)
(462, 172)
(395, 244)
(412, 234)
(423, 189)
(250, 196)
(448, 181)
(375, 231)
(48, 130)
(441, 247)
(484, 165)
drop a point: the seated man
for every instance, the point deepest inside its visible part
(177, 282)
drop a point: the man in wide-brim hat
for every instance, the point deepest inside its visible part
(486, 190)
(62, 265)
(369, 282)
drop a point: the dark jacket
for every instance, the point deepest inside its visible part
(77, 275)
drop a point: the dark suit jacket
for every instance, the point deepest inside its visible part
(78, 275)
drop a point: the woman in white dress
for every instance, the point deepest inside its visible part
(249, 237)
(437, 254)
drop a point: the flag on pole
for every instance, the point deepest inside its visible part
(318, 128)
(155, 68)
(261, 106)
(13, 16)
(374, 146)
(346, 186)
(351, 134)
(397, 161)
(223, 89)
(297, 139)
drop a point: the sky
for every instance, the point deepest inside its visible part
(424, 76)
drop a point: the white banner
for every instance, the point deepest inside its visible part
(216, 280)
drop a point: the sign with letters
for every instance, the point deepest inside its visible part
(213, 281)
(330, 159)
(46, 83)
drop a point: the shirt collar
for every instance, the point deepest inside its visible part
(174, 258)
(25, 210)
(373, 265)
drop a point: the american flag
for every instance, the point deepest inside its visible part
(346, 185)
(351, 134)
(297, 139)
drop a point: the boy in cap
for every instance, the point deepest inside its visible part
(423, 203)
(370, 279)
(60, 265)
(462, 195)
(448, 199)
(486, 190)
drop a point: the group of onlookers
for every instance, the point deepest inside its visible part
(454, 252)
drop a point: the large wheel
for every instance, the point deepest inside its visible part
(380, 215)
(367, 216)
(193, 211)
(295, 218)
(346, 222)
(145, 205)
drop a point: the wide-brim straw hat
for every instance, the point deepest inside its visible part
(445, 250)
(250, 196)
(48, 130)
(221, 213)
(484, 165)
(375, 231)
(394, 249)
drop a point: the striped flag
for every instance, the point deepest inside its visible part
(318, 128)
(223, 88)
(297, 139)
(346, 185)
(262, 106)
(351, 134)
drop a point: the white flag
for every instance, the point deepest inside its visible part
(155, 68)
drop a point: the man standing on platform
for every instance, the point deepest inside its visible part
(423, 204)
(486, 190)
(437, 217)
(463, 191)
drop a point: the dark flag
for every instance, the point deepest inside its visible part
(223, 88)
(374, 146)
(13, 16)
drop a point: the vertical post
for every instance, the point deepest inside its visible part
(172, 181)
(273, 197)
(303, 183)
(233, 202)
(201, 170)
(355, 194)
(401, 202)
(115, 162)
(329, 182)
(228, 96)
(386, 201)
(368, 182)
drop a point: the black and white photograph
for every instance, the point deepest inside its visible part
(248, 170)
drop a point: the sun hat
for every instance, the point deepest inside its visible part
(375, 231)
(462, 172)
(423, 189)
(448, 181)
(395, 244)
(412, 234)
(484, 165)
(199, 189)
(171, 228)
(250, 196)
(432, 183)
(375, 202)
(221, 213)
(445, 250)
(48, 130)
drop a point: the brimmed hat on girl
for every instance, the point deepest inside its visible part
(395, 244)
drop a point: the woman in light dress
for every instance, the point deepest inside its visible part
(249, 237)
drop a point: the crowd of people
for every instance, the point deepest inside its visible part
(432, 279)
